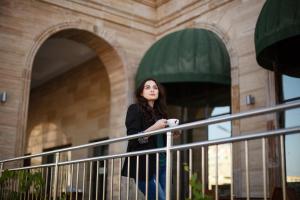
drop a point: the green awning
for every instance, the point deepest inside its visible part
(190, 55)
(277, 36)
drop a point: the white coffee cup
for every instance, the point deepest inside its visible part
(173, 122)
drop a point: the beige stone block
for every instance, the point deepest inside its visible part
(252, 81)
(245, 45)
(248, 64)
(253, 124)
(7, 141)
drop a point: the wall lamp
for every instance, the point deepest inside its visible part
(3, 96)
(250, 100)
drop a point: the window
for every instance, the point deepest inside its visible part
(202, 102)
(218, 131)
(291, 118)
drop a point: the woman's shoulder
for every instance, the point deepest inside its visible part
(134, 108)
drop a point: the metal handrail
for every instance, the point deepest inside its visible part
(285, 131)
(190, 125)
(251, 136)
(170, 149)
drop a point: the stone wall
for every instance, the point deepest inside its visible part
(127, 29)
(71, 109)
(25, 25)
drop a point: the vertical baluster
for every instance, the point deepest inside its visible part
(77, 176)
(43, 178)
(104, 180)
(232, 181)
(111, 178)
(60, 181)
(283, 175)
(38, 192)
(90, 182)
(203, 170)
(83, 181)
(46, 186)
(55, 175)
(168, 166)
(51, 182)
(147, 178)
(190, 171)
(97, 180)
(71, 181)
(157, 175)
(24, 193)
(67, 175)
(32, 188)
(18, 185)
(178, 176)
(137, 178)
(217, 175)
(247, 170)
(263, 140)
(128, 177)
(1, 169)
(120, 169)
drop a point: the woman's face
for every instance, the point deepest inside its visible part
(150, 91)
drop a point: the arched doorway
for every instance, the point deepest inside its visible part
(75, 87)
(77, 82)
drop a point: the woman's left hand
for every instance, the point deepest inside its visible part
(176, 134)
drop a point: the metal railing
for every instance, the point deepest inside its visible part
(61, 175)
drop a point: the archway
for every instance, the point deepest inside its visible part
(101, 84)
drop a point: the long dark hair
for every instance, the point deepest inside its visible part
(159, 109)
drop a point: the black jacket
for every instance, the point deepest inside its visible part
(136, 123)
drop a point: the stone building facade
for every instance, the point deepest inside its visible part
(88, 102)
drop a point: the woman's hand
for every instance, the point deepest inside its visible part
(159, 124)
(176, 134)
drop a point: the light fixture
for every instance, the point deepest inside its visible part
(250, 100)
(3, 96)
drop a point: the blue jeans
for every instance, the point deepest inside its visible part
(152, 185)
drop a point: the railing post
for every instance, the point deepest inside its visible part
(1, 168)
(168, 166)
(55, 175)
(283, 173)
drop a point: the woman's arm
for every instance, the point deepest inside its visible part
(134, 123)
(133, 120)
(162, 123)
(159, 124)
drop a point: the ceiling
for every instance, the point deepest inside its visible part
(56, 56)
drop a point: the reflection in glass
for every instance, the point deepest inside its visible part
(292, 148)
(290, 87)
(218, 131)
(291, 92)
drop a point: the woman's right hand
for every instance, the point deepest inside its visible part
(159, 124)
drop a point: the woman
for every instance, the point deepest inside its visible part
(148, 114)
